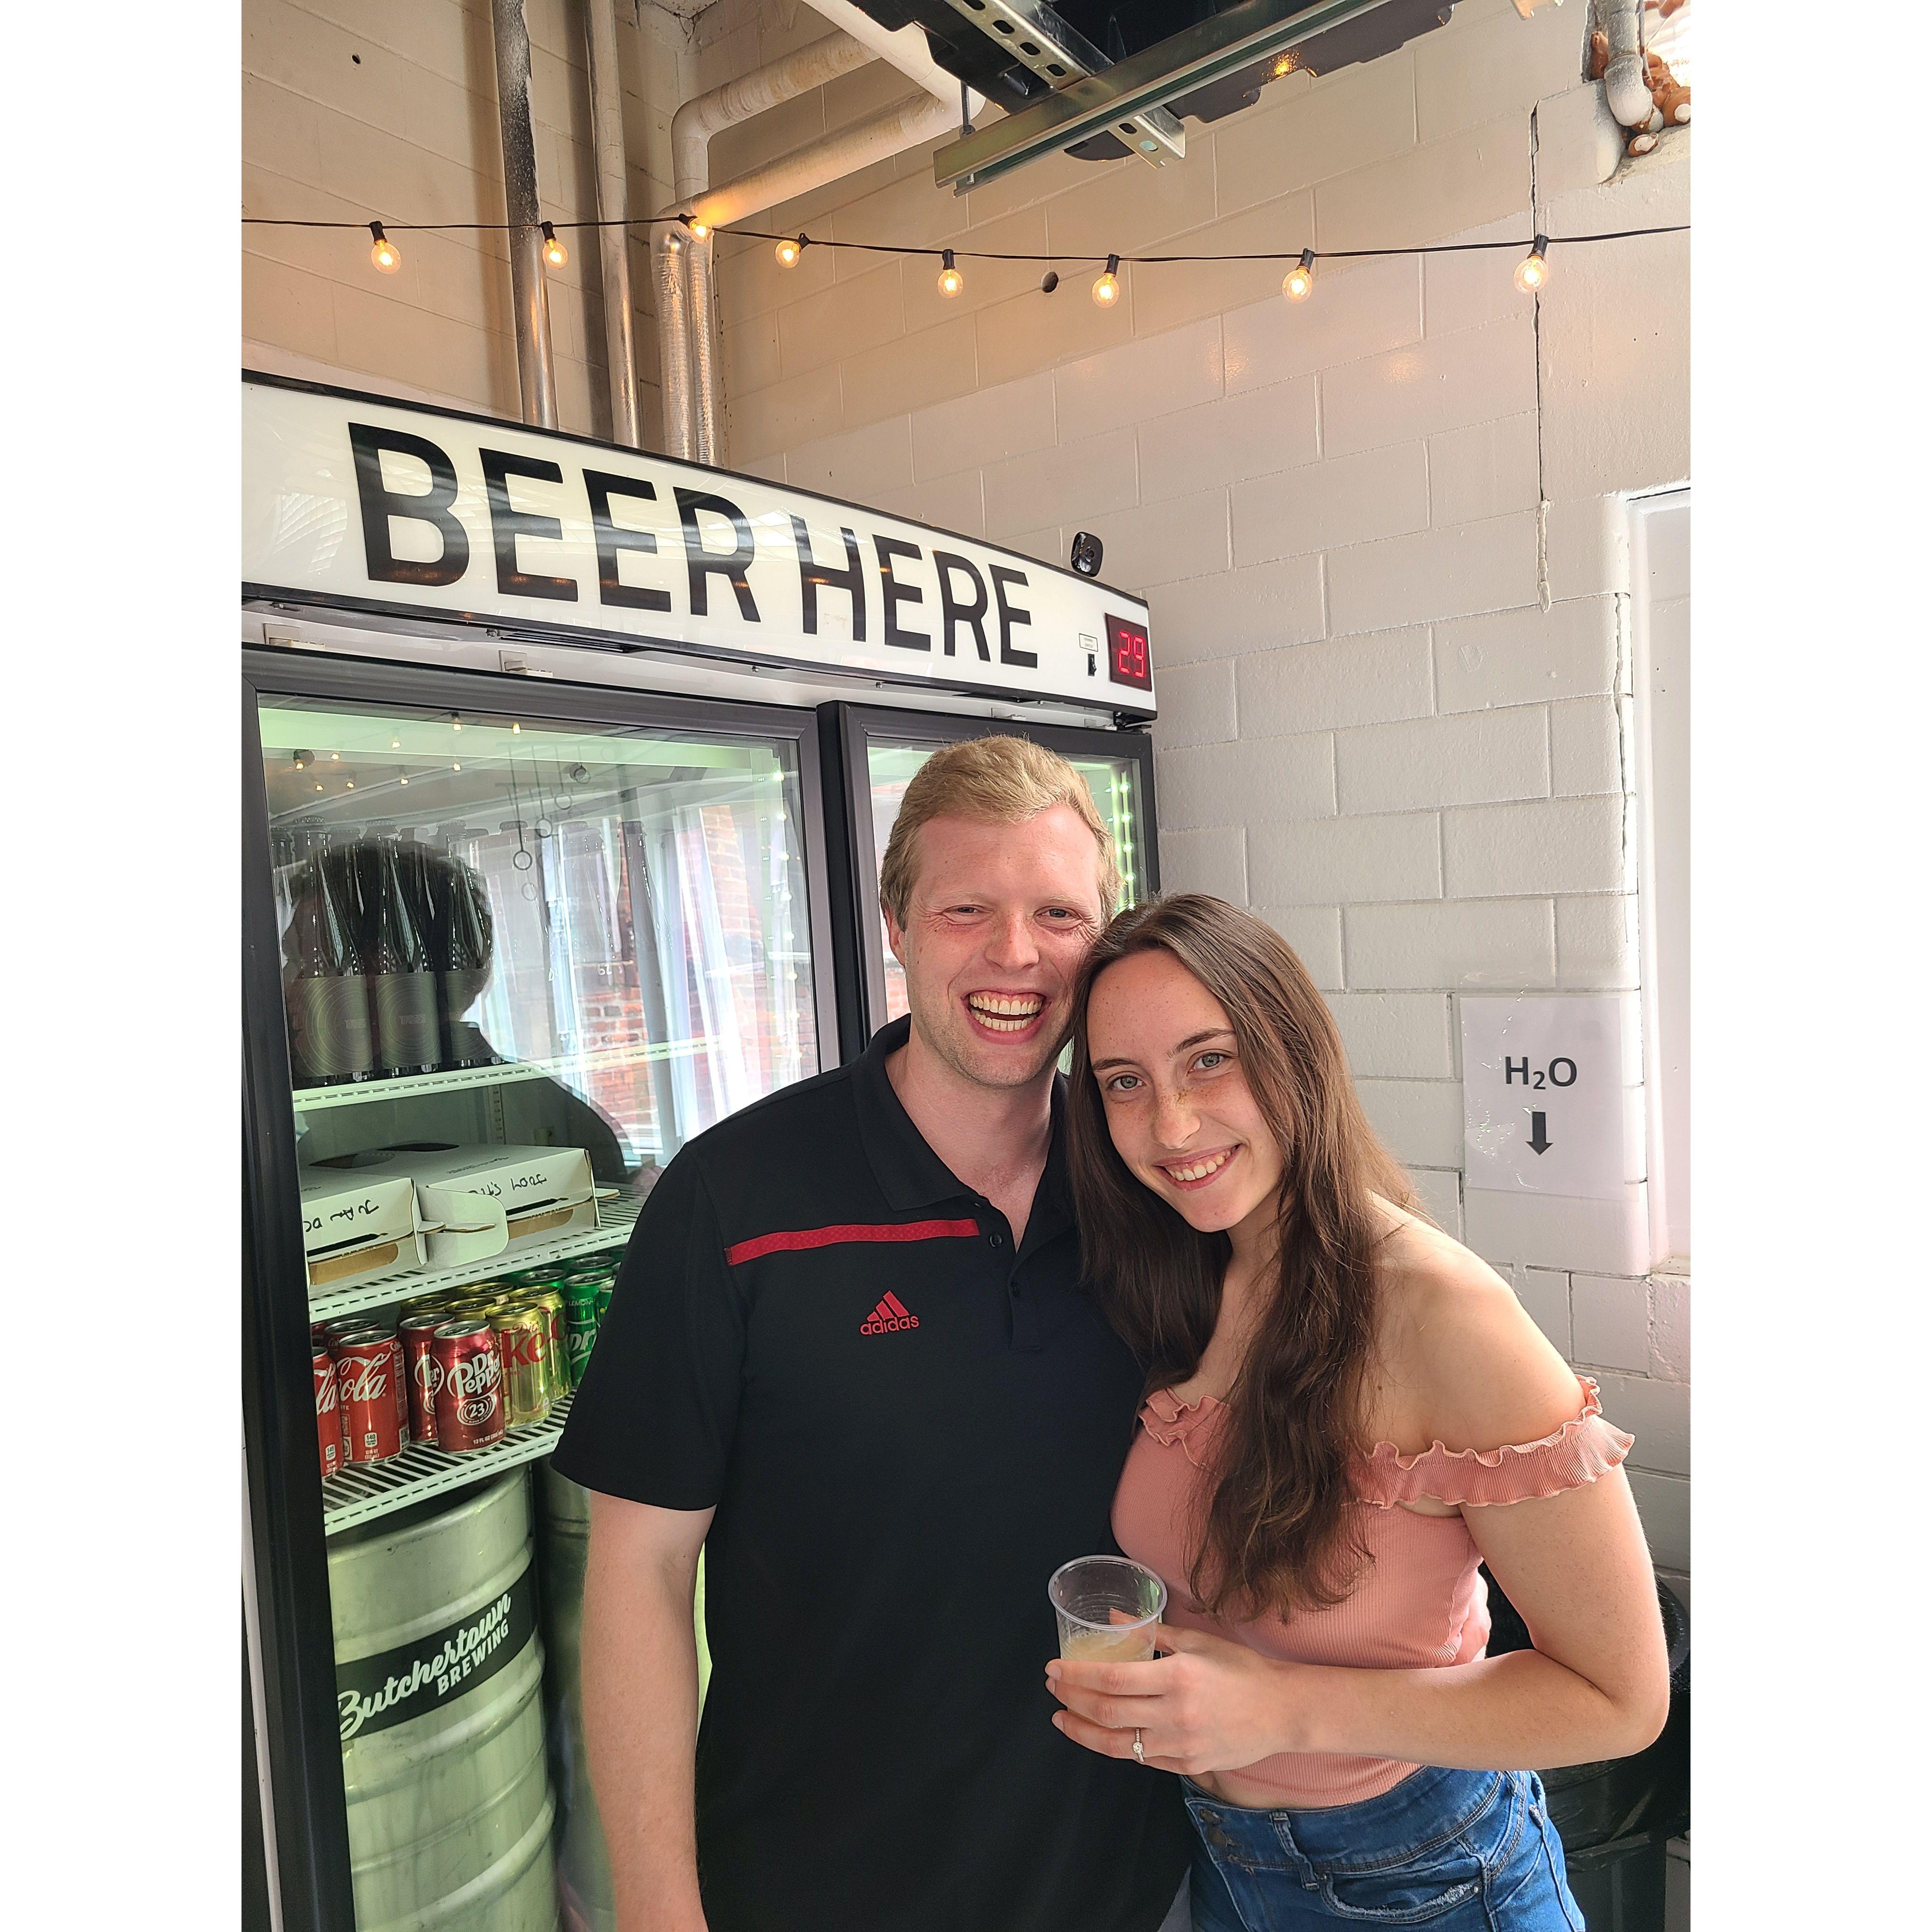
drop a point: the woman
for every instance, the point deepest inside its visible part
(1347, 1412)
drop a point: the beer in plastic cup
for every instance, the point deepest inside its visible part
(1108, 1607)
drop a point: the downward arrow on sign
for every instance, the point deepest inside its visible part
(1539, 1138)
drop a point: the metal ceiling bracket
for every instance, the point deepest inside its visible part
(1039, 40)
(1099, 102)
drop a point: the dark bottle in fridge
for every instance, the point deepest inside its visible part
(325, 985)
(463, 946)
(402, 988)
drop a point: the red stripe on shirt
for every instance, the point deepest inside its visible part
(849, 1230)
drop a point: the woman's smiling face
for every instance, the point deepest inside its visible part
(1178, 1105)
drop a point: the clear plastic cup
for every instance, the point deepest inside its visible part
(1108, 1607)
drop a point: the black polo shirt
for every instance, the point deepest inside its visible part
(905, 1427)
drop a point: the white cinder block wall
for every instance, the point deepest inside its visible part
(352, 108)
(1383, 533)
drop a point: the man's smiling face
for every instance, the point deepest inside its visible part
(1000, 919)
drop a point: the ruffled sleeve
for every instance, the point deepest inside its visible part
(1586, 1447)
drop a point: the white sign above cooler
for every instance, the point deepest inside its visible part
(352, 503)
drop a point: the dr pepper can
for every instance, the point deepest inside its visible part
(416, 1332)
(470, 1395)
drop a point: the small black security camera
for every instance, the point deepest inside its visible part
(1087, 553)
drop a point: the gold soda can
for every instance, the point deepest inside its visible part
(524, 1336)
(556, 1357)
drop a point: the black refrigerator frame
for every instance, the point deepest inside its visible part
(844, 729)
(286, 1605)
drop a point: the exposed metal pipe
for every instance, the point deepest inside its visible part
(905, 48)
(908, 124)
(1626, 86)
(614, 204)
(673, 341)
(920, 118)
(534, 374)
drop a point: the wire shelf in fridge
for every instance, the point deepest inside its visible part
(365, 1490)
(617, 1219)
(571, 1067)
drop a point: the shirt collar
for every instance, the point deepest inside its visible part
(911, 1175)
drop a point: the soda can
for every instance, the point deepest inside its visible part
(556, 1350)
(366, 1324)
(329, 1416)
(603, 1303)
(524, 1336)
(365, 1368)
(579, 1324)
(469, 1387)
(415, 1331)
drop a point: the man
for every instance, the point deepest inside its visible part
(849, 1354)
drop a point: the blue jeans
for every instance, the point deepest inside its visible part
(1455, 1851)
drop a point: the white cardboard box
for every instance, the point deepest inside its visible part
(518, 1195)
(359, 1222)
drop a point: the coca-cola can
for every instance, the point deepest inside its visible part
(366, 1362)
(329, 1437)
(419, 1362)
(469, 1412)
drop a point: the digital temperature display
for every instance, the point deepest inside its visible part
(1127, 653)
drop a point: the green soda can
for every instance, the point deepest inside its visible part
(580, 1320)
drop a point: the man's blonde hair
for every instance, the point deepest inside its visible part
(999, 781)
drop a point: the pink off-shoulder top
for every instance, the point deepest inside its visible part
(1419, 1604)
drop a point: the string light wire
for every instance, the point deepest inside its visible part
(690, 224)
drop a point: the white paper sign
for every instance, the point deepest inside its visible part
(351, 503)
(1544, 1102)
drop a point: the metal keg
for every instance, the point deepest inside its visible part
(439, 1672)
(582, 1863)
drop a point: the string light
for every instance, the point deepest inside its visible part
(788, 251)
(385, 254)
(554, 252)
(1300, 279)
(456, 721)
(516, 724)
(1284, 64)
(302, 760)
(1533, 271)
(951, 281)
(1107, 289)
(701, 231)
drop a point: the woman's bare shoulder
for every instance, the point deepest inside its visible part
(1459, 1360)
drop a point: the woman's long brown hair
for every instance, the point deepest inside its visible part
(1279, 1531)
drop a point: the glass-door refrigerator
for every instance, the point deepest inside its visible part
(508, 945)
(872, 752)
(561, 844)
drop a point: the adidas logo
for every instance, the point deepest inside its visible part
(890, 1314)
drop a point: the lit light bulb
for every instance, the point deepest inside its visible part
(1284, 64)
(385, 254)
(701, 231)
(301, 761)
(456, 721)
(395, 743)
(457, 766)
(350, 783)
(403, 779)
(554, 252)
(788, 251)
(1533, 271)
(1298, 281)
(951, 281)
(335, 758)
(516, 724)
(318, 786)
(1107, 289)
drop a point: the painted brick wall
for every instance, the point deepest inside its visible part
(352, 108)
(1381, 533)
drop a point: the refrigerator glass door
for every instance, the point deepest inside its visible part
(1115, 779)
(523, 960)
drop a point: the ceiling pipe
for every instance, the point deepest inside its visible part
(906, 48)
(683, 262)
(1626, 86)
(531, 300)
(614, 205)
(909, 123)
